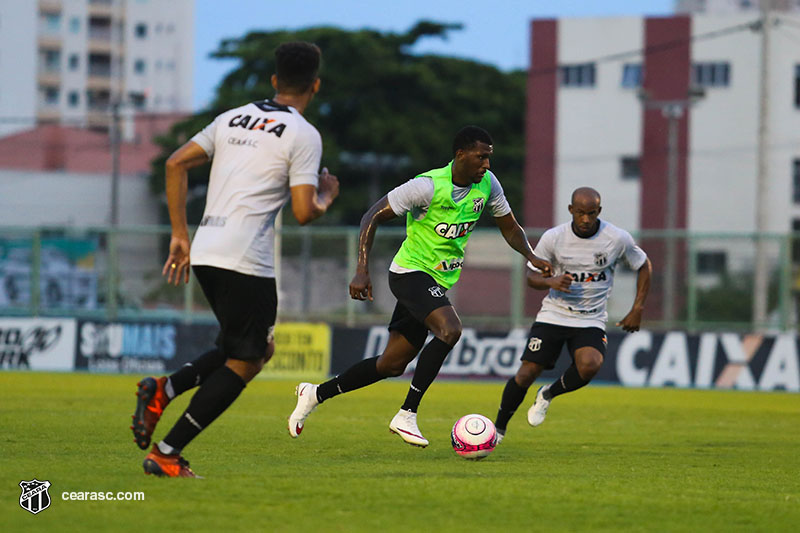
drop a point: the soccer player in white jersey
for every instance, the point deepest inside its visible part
(441, 207)
(584, 254)
(262, 154)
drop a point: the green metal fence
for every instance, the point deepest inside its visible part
(115, 273)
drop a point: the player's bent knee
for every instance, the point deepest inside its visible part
(450, 334)
(270, 353)
(589, 366)
(527, 374)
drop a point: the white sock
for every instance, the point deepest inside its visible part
(169, 390)
(166, 449)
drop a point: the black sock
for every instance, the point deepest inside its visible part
(195, 373)
(359, 375)
(570, 381)
(428, 365)
(513, 395)
(216, 394)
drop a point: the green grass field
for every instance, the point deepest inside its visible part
(607, 459)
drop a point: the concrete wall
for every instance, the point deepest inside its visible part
(71, 199)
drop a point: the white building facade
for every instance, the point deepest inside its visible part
(600, 95)
(66, 61)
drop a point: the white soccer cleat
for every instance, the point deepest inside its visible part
(500, 437)
(306, 402)
(404, 424)
(538, 410)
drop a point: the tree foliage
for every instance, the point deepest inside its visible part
(385, 113)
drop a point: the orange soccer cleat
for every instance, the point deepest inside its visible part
(151, 399)
(163, 465)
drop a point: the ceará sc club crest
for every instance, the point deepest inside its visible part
(34, 497)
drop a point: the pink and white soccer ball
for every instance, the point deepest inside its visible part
(473, 436)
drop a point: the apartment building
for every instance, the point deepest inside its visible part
(68, 61)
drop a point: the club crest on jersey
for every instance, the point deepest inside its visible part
(34, 497)
(477, 205)
(259, 123)
(600, 259)
(454, 231)
(436, 291)
(534, 344)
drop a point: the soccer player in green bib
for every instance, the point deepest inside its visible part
(442, 207)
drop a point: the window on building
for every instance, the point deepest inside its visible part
(582, 75)
(100, 28)
(629, 168)
(51, 60)
(51, 95)
(711, 74)
(100, 65)
(139, 66)
(797, 86)
(73, 98)
(711, 262)
(140, 30)
(796, 181)
(632, 75)
(137, 100)
(51, 22)
(796, 241)
(98, 99)
(74, 61)
(75, 25)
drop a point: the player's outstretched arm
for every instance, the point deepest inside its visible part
(186, 157)
(380, 212)
(309, 202)
(633, 319)
(516, 238)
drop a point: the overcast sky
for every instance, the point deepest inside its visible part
(495, 31)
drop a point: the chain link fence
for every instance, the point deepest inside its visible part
(700, 282)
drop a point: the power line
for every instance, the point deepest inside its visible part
(662, 47)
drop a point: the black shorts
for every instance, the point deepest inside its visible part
(245, 306)
(417, 295)
(546, 340)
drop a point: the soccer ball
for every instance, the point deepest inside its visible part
(473, 436)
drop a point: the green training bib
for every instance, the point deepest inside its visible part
(435, 244)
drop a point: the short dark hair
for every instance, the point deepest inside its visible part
(468, 136)
(297, 66)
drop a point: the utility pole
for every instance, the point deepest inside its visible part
(115, 142)
(673, 111)
(761, 275)
(115, 128)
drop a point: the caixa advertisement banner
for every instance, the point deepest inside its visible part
(641, 359)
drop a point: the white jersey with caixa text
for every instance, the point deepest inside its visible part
(258, 152)
(591, 262)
